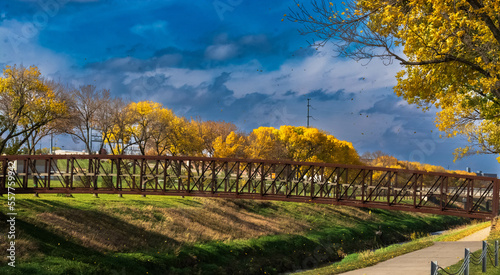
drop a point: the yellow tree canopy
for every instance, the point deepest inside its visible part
(209, 130)
(449, 50)
(299, 144)
(142, 116)
(264, 143)
(230, 147)
(27, 103)
(392, 162)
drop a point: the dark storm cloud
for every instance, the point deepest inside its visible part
(392, 105)
(322, 95)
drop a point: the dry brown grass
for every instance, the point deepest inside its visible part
(25, 247)
(141, 225)
(159, 228)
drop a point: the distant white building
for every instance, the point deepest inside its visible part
(70, 152)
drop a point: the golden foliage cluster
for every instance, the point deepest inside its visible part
(449, 51)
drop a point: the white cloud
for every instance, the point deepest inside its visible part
(221, 52)
(20, 47)
(318, 72)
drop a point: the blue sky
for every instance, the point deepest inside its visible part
(232, 60)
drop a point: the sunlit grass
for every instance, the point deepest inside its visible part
(87, 235)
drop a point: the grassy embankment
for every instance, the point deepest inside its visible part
(171, 235)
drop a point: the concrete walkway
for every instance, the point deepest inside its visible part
(419, 262)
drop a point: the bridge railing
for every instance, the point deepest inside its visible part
(361, 186)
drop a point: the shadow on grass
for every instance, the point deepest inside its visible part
(82, 248)
(61, 251)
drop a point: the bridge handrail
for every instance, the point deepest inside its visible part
(282, 162)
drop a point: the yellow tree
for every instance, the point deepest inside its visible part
(27, 103)
(161, 125)
(384, 160)
(209, 130)
(230, 147)
(157, 130)
(264, 143)
(54, 127)
(311, 144)
(143, 116)
(117, 134)
(176, 136)
(449, 51)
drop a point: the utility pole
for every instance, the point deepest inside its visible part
(308, 116)
(51, 143)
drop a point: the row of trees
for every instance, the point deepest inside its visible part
(32, 107)
(381, 159)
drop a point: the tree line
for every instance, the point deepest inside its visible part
(32, 107)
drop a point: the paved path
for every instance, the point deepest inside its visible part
(419, 262)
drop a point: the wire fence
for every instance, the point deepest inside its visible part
(489, 252)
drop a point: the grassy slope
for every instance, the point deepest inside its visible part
(135, 235)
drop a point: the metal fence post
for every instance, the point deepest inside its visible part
(434, 267)
(466, 261)
(485, 253)
(496, 253)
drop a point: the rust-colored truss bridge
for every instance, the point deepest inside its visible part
(337, 184)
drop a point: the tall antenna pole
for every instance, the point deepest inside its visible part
(308, 116)
(51, 143)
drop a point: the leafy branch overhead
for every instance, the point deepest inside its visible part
(448, 49)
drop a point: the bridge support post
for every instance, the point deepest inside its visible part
(496, 189)
(466, 261)
(434, 267)
(496, 253)
(485, 253)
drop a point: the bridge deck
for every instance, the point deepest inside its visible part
(359, 186)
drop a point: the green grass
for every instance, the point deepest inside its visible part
(158, 235)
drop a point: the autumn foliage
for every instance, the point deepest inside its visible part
(449, 51)
(32, 107)
(381, 159)
(28, 103)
